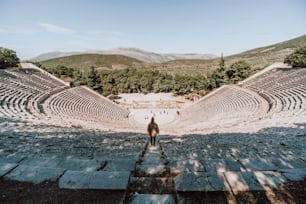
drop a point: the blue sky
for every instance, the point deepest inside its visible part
(32, 27)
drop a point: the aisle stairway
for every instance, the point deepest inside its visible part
(151, 182)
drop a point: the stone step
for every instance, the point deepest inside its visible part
(120, 165)
(67, 164)
(294, 174)
(234, 181)
(153, 148)
(34, 174)
(200, 181)
(153, 198)
(152, 185)
(152, 160)
(152, 170)
(95, 180)
(6, 167)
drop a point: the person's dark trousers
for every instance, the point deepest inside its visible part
(153, 141)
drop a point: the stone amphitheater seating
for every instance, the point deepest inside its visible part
(21, 91)
(284, 88)
(277, 93)
(35, 95)
(77, 158)
(82, 104)
(227, 104)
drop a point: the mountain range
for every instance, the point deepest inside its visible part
(258, 58)
(142, 55)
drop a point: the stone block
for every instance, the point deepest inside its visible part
(34, 174)
(11, 159)
(258, 164)
(95, 180)
(120, 165)
(288, 163)
(157, 170)
(6, 167)
(242, 181)
(270, 179)
(64, 163)
(294, 174)
(221, 165)
(190, 165)
(201, 181)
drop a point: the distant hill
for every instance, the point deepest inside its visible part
(138, 54)
(87, 60)
(258, 57)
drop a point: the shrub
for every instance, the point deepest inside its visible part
(297, 58)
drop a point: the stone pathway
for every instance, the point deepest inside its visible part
(151, 182)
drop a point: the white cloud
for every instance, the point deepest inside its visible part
(16, 31)
(56, 29)
(104, 33)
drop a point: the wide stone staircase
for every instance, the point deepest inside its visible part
(151, 182)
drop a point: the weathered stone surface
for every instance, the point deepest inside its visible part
(200, 181)
(221, 165)
(242, 181)
(153, 198)
(81, 164)
(63, 163)
(150, 158)
(6, 167)
(157, 170)
(186, 166)
(151, 185)
(94, 180)
(120, 165)
(258, 164)
(41, 162)
(293, 174)
(290, 163)
(270, 179)
(34, 174)
(11, 159)
(217, 181)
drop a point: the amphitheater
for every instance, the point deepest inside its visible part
(246, 139)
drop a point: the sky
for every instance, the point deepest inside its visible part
(33, 27)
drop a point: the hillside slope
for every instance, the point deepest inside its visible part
(258, 57)
(141, 55)
(84, 61)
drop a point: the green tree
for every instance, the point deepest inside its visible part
(94, 80)
(8, 58)
(238, 71)
(78, 78)
(297, 58)
(222, 63)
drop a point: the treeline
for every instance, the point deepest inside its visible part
(130, 80)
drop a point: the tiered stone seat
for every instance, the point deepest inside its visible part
(22, 90)
(46, 152)
(225, 105)
(234, 162)
(286, 89)
(275, 96)
(83, 105)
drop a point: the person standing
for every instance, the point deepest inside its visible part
(153, 131)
